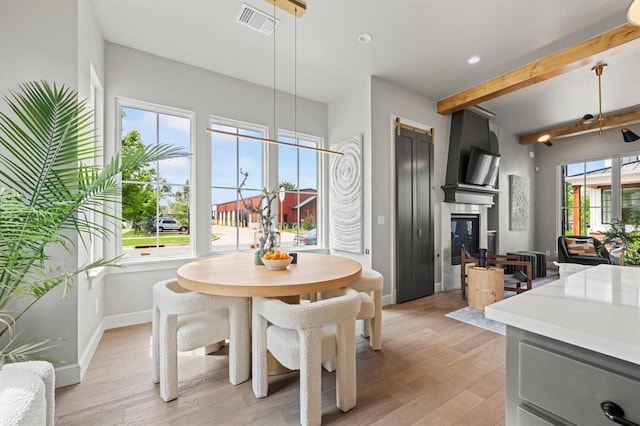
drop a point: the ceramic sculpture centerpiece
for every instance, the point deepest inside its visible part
(267, 237)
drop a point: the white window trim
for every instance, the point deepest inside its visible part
(321, 179)
(616, 185)
(266, 159)
(116, 243)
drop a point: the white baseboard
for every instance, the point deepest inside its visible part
(389, 299)
(90, 350)
(68, 375)
(123, 320)
(438, 288)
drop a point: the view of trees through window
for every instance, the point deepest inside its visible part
(593, 196)
(156, 197)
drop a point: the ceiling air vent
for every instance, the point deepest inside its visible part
(256, 19)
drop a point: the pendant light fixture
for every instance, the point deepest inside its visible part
(598, 69)
(629, 136)
(633, 13)
(297, 9)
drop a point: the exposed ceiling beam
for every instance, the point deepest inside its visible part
(586, 53)
(292, 6)
(621, 119)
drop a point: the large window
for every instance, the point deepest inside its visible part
(294, 170)
(231, 158)
(298, 174)
(597, 192)
(156, 198)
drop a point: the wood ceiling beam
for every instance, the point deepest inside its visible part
(292, 6)
(608, 122)
(586, 53)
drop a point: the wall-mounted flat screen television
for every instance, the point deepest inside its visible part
(482, 168)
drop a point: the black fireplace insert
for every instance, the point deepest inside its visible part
(465, 232)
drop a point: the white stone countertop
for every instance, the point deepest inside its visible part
(596, 309)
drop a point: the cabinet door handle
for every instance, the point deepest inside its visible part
(615, 413)
(419, 232)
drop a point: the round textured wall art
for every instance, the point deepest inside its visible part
(346, 196)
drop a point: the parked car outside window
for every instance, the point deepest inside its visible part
(168, 224)
(309, 238)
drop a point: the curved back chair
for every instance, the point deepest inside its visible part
(184, 320)
(584, 250)
(370, 287)
(300, 337)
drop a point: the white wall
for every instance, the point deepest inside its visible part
(351, 116)
(40, 42)
(90, 298)
(387, 101)
(514, 160)
(580, 148)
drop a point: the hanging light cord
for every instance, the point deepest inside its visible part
(295, 78)
(598, 69)
(274, 70)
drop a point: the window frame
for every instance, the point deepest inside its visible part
(321, 206)
(125, 102)
(617, 161)
(264, 177)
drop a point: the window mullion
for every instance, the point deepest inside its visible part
(616, 189)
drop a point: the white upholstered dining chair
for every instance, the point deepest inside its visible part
(184, 320)
(300, 337)
(370, 286)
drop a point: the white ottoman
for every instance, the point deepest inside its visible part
(22, 398)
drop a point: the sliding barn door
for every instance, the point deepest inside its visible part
(414, 215)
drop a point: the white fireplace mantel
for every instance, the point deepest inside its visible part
(451, 274)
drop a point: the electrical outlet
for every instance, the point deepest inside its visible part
(366, 251)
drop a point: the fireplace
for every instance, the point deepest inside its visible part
(450, 212)
(465, 232)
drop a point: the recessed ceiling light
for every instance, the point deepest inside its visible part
(473, 60)
(365, 38)
(544, 138)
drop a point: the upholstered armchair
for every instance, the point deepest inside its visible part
(584, 250)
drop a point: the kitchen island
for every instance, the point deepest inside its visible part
(573, 345)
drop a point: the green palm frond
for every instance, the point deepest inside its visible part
(48, 186)
(26, 349)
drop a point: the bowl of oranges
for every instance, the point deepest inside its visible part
(276, 260)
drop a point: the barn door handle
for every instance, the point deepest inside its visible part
(615, 413)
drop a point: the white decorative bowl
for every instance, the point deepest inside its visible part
(275, 265)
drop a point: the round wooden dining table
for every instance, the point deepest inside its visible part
(237, 275)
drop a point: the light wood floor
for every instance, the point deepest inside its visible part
(432, 370)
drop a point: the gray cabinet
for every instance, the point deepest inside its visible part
(554, 383)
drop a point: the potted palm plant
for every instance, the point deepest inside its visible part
(625, 243)
(48, 184)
